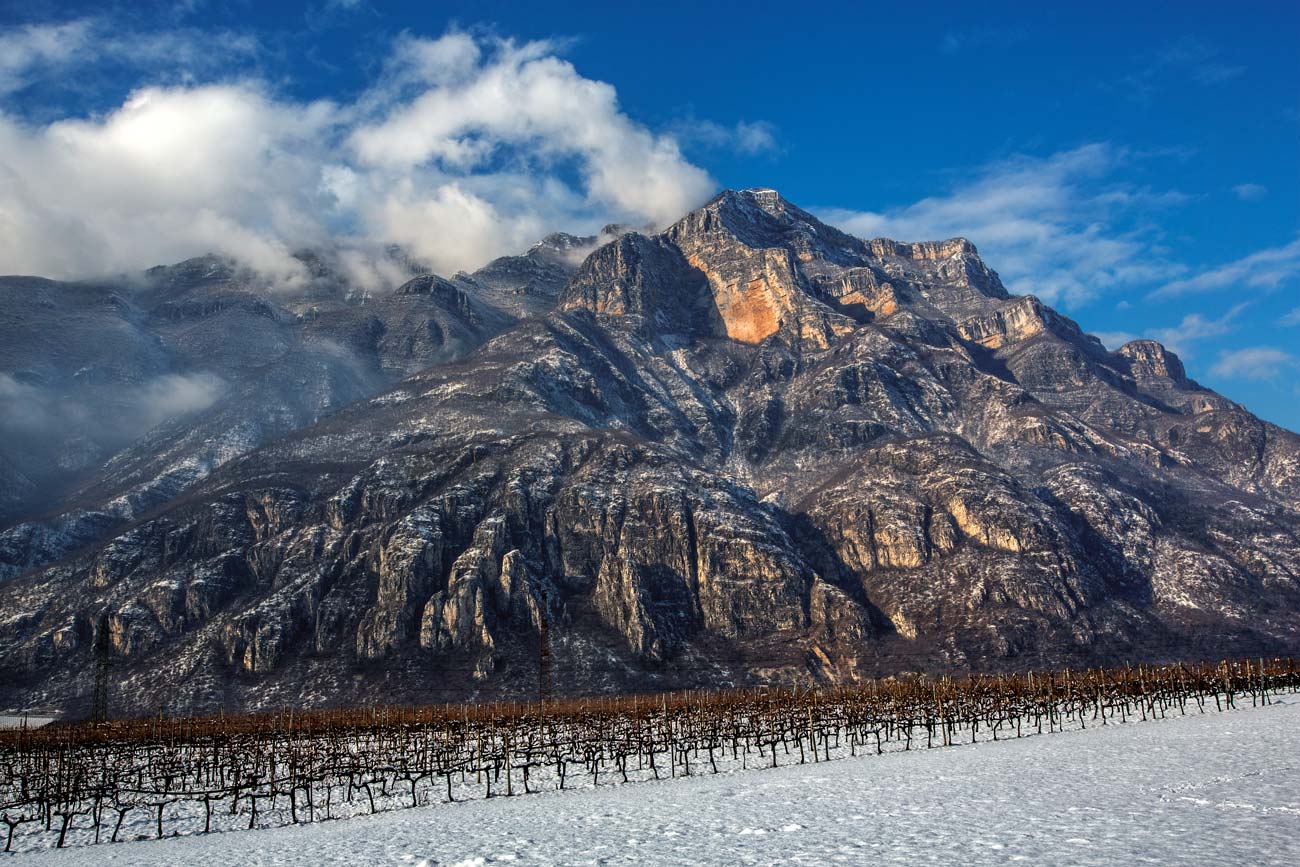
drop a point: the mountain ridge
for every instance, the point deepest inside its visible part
(747, 448)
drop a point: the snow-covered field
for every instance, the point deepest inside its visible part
(1202, 789)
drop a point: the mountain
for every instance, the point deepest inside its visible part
(748, 448)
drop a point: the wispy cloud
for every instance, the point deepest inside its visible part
(323, 14)
(39, 46)
(746, 137)
(1250, 192)
(1255, 362)
(41, 52)
(957, 41)
(1264, 269)
(1194, 327)
(1114, 339)
(1060, 227)
(1292, 318)
(1182, 338)
(1174, 64)
(31, 411)
(466, 147)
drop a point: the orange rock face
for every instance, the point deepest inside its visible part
(750, 311)
(749, 315)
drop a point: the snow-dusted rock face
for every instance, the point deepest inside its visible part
(747, 448)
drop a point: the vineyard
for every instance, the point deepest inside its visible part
(67, 785)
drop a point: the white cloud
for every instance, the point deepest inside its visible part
(488, 97)
(1195, 327)
(1173, 65)
(1181, 338)
(1055, 227)
(1202, 62)
(467, 147)
(755, 138)
(63, 51)
(1254, 362)
(1114, 339)
(175, 394)
(1250, 192)
(34, 46)
(113, 412)
(746, 137)
(1292, 318)
(1263, 269)
(174, 172)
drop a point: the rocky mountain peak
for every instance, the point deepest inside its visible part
(731, 268)
(209, 268)
(615, 230)
(563, 242)
(762, 218)
(769, 201)
(637, 275)
(1149, 359)
(773, 269)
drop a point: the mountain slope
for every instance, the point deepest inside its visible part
(749, 447)
(121, 397)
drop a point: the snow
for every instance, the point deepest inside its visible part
(1202, 789)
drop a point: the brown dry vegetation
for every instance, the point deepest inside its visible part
(296, 766)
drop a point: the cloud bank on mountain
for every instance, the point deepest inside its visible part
(466, 147)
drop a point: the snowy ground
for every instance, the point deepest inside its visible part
(1211, 789)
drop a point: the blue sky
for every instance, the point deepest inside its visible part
(1135, 165)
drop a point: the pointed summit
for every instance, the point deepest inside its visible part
(770, 268)
(642, 276)
(763, 198)
(731, 268)
(761, 218)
